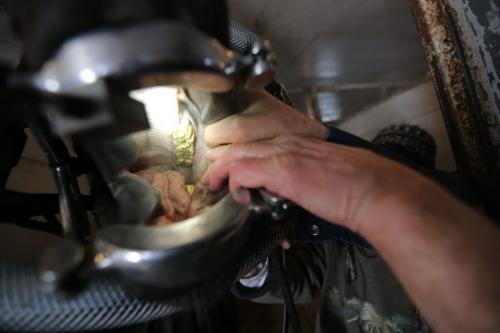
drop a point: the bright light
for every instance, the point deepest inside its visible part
(133, 257)
(88, 76)
(161, 106)
(52, 85)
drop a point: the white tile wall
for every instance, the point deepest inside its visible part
(416, 106)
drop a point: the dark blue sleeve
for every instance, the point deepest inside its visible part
(478, 191)
(312, 229)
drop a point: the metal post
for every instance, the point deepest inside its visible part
(466, 82)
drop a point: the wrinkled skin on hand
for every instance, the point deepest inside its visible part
(444, 253)
(337, 183)
(262, 117)
(272, 145)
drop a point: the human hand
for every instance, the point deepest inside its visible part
(414, 224)
(263, 117)
(340, 184)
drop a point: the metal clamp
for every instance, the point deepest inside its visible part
(267, 203)
(259, 65)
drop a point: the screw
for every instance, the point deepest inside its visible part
(314, 230)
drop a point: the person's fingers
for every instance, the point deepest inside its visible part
(216, 175)
(263, 121)
(254, 173)
(218, 172)
(289, 144)
(215, 153)
(236, 151)
(296, 178)
(299, 145)
(225, 156)
(242, 128)
(337, 183)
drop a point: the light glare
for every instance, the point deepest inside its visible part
(52, 85)
(133, 257)
(88, 76)
(161, 107)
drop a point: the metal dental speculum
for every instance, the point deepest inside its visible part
(191, 59)
(144, 95)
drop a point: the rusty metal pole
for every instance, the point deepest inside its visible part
(468, 102)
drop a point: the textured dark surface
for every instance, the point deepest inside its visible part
(240, 38)
(10, 47)
(25, 308)
(478, 24)
(258, 317)
(411, 141)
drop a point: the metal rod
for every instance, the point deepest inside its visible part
(74, 218)
(450, 72)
